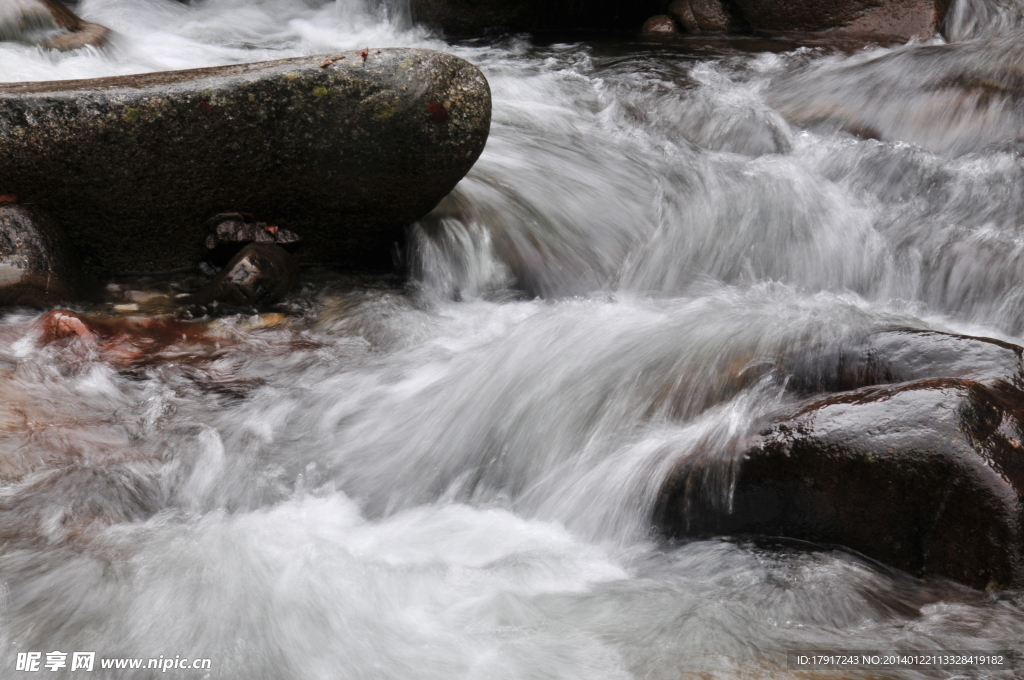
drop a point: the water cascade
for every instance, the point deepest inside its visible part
(453, 474)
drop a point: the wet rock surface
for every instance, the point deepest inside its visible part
(700, 16)
(346, 149)
(260, 274)
(900, 18)
(952, 99)
(126, 341)
(660, 24)
(903, 355)
(230, 232)
(38, 267)
(927, 477)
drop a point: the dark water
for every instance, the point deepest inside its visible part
(452, 476)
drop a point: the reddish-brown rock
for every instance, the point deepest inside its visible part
(660, 24)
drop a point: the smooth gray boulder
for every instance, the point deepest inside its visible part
(343, 149)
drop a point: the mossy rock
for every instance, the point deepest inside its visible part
(344, 149)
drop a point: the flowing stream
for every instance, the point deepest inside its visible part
(452, 476)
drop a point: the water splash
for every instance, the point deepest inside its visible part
(455, 477)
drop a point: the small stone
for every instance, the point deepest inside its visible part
(661, 24)
(260, 274)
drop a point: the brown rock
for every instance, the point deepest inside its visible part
(124, 341)
(660, 24)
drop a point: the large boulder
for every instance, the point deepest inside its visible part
(344, 149)
(896, 18)
(38, 267)
(926, 476)
(946, 98)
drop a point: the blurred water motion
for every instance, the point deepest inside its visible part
(454, 476)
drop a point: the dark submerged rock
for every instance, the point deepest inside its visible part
(37, 263)
(260, 274)
(926, 476)
(346, 150)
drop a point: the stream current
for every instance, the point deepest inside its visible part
(452, 475)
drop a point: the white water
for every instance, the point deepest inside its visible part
(450, 479)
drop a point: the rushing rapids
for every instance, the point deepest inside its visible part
(454, 475)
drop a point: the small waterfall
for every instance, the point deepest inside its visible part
(455, 475)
